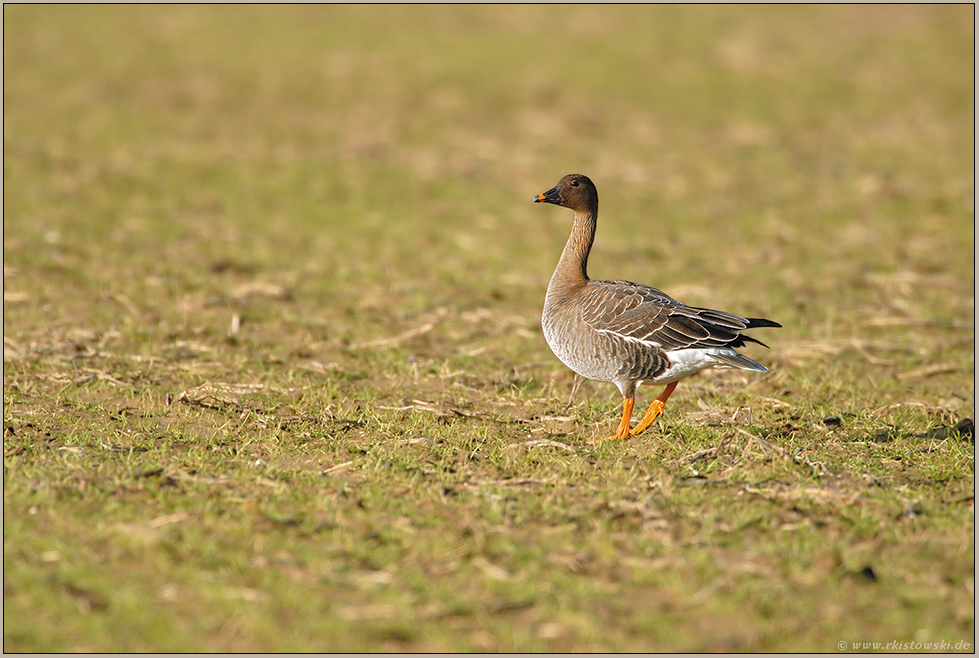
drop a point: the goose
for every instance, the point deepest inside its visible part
(627, 333)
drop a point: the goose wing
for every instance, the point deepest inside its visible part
(637, 313)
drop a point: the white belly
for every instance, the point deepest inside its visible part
(684, 363)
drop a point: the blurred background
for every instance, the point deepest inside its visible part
(821, 141)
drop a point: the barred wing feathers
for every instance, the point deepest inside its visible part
(638, 318)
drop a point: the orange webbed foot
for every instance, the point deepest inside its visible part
(655, 410)
(622, 431)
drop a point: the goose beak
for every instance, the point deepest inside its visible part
(553, 195)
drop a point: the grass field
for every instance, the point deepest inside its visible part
(274, 378)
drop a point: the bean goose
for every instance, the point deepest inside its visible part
(627, 333)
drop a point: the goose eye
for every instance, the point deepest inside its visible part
(574, 183)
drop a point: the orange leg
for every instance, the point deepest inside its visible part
(622, 431)
(654, 411)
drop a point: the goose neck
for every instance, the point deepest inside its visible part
(572, 268)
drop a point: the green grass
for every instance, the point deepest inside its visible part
(273, 372)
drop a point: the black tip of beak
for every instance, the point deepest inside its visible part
(539, 198)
